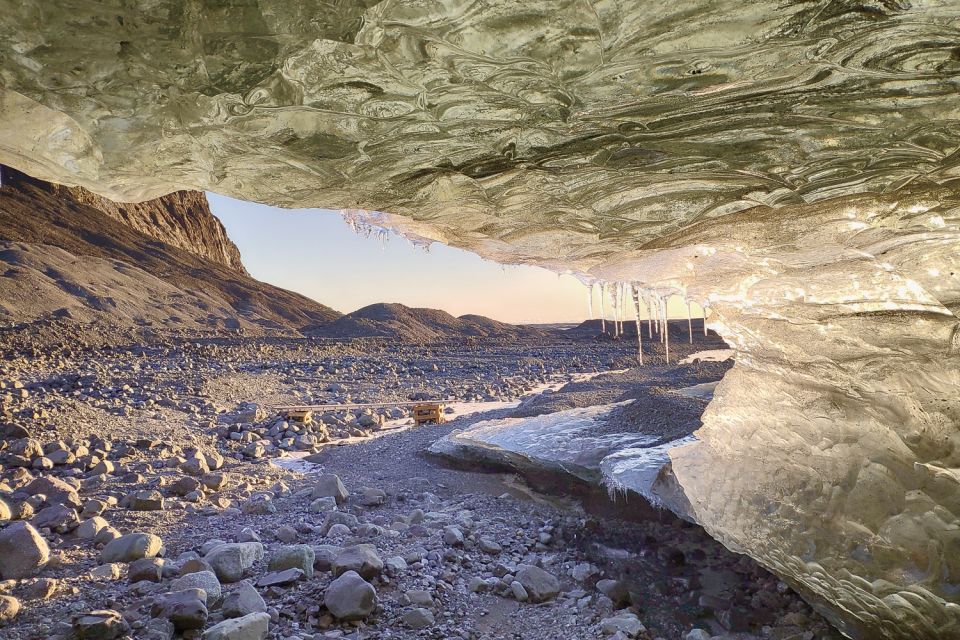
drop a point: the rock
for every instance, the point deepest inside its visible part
(419, 597)
(370, 497)
(130, 547)
(519, 592)
(55, 490)
(362, 559)
(338, 518)
(231, 560)
(697, 634)
(540, 585)
(324, 555)
(100, 625)
(145, 569)
(260, 504)
(286, 534)
(350, 597)
(56, 517)
(9, 608)
(280, 578)
(489, 546)
(157, 629)
(42, 589)
(6, 513)
(395, 564)
(625, 623)
(254, 626)
(146, 500)
(616, 590)
(299, 556)
(245, 599)
(329, 485)
(186, 609)
(23, 551)
(89, 528)
(418, 618)
(452, 536)
(205, 580)
(328, 503)
(110, 571)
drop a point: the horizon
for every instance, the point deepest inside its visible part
(283, 247)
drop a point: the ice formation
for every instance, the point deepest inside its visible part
(791, 165)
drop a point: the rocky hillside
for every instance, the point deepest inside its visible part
(65, 253)
(182, 219)
(405, 324)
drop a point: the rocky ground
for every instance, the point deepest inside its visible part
(147, 491)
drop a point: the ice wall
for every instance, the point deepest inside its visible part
(791, 164)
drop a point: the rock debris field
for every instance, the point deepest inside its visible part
(149, 491)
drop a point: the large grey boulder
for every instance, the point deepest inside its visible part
(186, 609)
(244, 600)
(298, 556)
(254, 626)
(329, 486)
(205, 580)
(362, 558)
(231, 560)
(540, 585)
(130, 547)
(23, 551)
(350, 597)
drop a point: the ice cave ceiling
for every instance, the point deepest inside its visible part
(792, 164)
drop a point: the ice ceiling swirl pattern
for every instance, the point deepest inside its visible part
(793, 164)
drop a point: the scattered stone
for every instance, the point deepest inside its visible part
(330, 486)
(205, 580)
(146, 500)
(254, 626)
(231, 560)
(42, 589)
(23, 551)
(245, 599)
(362, 559)
(418, 618)
(539, 585)
(280, 578)
(9, 608)
(100, 625)
(350, 597)
(299, 556)
(145, 569)
(130, 547)
(625, 623)
(186, 609)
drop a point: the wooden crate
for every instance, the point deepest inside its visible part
(428, 412)
(304, 416)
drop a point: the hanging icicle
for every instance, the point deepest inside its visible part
(635, 295)
(590, 300)
(666, 333)
(704, 308)
(603, 311)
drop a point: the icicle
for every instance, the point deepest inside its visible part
(649, 318)
(666, 332)
(615, 302)
(636, 304)
(603, 311)
(590, 300)
(689, 322)
(704, 309)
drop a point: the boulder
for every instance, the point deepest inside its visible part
(254, 626)
(418, 618)
(350, 597)
(299, 556)
(243, 600)
(145, 569)
(186, 609)
(362, 559)
(540, 585)
(330, 486)
(9, 608)
(130, 547)
(205, 580)
(231, 560)
(23, 551)
(100, 625)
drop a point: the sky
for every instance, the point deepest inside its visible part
(314, 252)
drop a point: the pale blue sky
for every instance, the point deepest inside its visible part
(314, 252)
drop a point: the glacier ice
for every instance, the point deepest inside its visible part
(792, 166)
